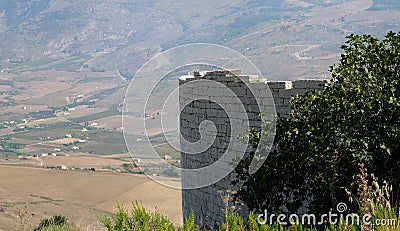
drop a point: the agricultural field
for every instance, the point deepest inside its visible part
(79, 195)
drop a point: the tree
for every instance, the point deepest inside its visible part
(354, 119)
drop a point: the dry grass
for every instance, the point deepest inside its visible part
(63, 141)
(111, 122)
(78, 195)
(376, 200)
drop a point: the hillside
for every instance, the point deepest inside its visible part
(124, 34)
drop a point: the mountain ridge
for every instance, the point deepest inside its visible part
(125, 34)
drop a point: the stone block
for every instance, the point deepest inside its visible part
(309, 84)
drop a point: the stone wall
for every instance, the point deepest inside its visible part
(207, 202)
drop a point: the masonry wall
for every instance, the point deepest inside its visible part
(207, 202)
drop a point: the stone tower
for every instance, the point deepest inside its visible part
(207, 202)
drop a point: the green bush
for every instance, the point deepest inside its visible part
(189, 224)
(136, 220)
(57, 222)
(57, 228)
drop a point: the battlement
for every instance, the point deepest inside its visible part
(233, 75)
(281, 91)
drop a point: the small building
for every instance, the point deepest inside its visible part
(167, 157)
(75, 148)
(62, 167)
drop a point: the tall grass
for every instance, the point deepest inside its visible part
(138, 219)
(376, 200)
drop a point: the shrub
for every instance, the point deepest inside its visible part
(189, 224)
(57, 222)
(138, 219)
(57, 228)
